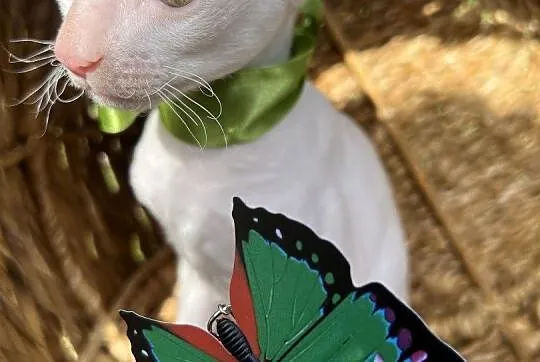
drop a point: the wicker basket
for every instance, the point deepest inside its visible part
(75, 246)
(456, 86)
(72, 238)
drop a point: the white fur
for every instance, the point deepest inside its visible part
(316, 166)
(139, 39)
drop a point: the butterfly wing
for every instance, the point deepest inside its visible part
(301, 300)
(242, 304)
(154, 341)
(373, 323)
(414, 337)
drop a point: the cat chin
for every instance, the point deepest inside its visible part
(132, 104)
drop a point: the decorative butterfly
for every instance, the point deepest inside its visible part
(292, 299)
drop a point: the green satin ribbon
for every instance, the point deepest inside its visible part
(253, 100)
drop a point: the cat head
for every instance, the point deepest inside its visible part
(130, 53)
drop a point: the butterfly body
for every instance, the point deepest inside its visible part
(293, 299)
(234, 341)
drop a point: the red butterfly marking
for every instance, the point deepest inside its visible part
(200, 339)
(242, 304)
(244, 313)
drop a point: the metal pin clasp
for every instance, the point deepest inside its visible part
(223, 311)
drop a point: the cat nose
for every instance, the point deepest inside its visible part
(82, 38)
(80, 67)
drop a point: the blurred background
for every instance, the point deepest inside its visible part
(448, 90)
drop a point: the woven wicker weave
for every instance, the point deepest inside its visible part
(455, 86)
(71, 236)
(461, 147)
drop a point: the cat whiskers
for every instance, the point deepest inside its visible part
(32, 40)
(50, 90)
(206, 89)
(209, 114)
(182, 106)
(174, 107)
(148, 97)
(64, 87)
(40, 58)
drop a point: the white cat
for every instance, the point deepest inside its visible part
(315, 166)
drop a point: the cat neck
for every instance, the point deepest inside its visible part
(279, 48)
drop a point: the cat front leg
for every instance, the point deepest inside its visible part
(198, 298)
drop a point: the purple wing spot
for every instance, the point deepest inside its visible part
(389, 315)
(404, 339)
(372, 297)
(378, 358)
(419, 356)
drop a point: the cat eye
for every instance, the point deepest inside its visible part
(176, 3)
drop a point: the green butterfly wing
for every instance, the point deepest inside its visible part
(289, 299)
(154, 341)
(337, 339)
(302, 305)
(294, 302)
(172, 348)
